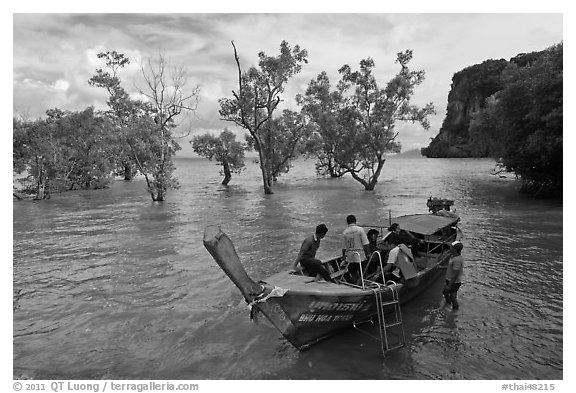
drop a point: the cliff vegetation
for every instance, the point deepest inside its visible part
(511, 111)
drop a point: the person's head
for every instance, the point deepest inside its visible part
(351, 219)
(457, 247)
(321, 231)
(394, 227)
(372, 235)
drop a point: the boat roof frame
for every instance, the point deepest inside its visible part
(423, 224)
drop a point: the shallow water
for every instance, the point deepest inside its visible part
(108, 284)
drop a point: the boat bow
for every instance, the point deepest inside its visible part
(262, 297)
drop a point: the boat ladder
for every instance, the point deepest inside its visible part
(393, 326)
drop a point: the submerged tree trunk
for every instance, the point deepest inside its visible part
(41, 189)
(41, 181)
(266, 173)
(160, 196)
(227, 173)
(374, 178)
(156, 193)
(128, 171)
(267, 181)
(333, 172)
(369, 184)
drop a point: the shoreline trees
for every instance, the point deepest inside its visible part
(65, 151)
(348, 128)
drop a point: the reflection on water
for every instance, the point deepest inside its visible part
(108, 284)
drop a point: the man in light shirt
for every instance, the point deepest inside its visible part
(355, 241)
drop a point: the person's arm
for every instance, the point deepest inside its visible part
(409, 234)
(388, 267)
(297, 260)
(367, 250)
(303, 248)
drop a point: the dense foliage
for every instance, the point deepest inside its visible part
(225, 149)
(84, 150)
(524, 120)
(65, 151)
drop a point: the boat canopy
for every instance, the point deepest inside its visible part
(424, 224)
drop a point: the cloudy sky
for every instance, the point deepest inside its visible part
(54, 54)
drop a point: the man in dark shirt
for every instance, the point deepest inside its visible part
(307, 255)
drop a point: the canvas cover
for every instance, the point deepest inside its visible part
(425, 224)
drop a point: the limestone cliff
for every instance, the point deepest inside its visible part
(469, 91)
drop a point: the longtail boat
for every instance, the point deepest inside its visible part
(306, 311)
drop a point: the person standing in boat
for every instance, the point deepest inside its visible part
(355, 246)
(354, 239)
(454, 275)
(307, 255)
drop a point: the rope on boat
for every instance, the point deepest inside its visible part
(276, 292)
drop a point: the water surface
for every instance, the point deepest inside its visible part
(108, 284)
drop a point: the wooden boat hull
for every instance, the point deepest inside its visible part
(306, 311)
(305, 317)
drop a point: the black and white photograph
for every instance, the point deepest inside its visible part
(238, 194)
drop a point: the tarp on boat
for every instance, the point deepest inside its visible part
(425, 224)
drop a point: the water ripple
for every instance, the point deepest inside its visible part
(110, 285)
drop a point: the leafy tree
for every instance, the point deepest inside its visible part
(86, 160)
(122, 108)
(146, 127)
(32, 153)
(357, 121)
(322, 105)
(253, 105)
(224, 149)
(283, 141)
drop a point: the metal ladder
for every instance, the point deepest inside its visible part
(385, 327)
